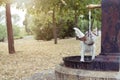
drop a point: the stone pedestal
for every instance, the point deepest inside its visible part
(110, 43)
(109, 58)
(65, 73)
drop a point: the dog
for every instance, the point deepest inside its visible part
(87, 42)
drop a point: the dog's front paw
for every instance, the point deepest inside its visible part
(82, 60)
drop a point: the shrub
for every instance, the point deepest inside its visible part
(83, 25)
(65, 29)
(16, 32)
(44, 32)
(2, 32)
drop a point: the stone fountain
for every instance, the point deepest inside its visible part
(106, 66)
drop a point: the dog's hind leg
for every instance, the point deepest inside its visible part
(93, 52)
(82, 53)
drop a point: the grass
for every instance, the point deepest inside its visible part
(34, 56)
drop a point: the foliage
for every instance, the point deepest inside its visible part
(62, 29)
(43, 32)
(41, 28)
(71, 11)
(65, 28)
(2, 32)
(28, 23)
(64, 10)
(83, 25)
(15, 19)
(16, 32)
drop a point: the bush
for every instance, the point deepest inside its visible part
(16, 32)
(83, 25)
(62, 28)
(65, 29)
(2, 33)
(43, 32)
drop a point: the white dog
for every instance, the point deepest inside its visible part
(87, 42)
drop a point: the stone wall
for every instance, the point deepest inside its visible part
(64, 73)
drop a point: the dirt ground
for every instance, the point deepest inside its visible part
(33, 56)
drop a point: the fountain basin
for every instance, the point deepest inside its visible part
(100, 63)
(74, 62)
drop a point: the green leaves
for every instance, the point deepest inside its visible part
(2, 32)
(64, 10)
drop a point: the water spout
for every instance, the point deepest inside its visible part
(90, 20)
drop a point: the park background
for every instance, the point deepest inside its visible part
(43, 34)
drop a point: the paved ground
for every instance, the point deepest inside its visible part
(44, 75)
(34, 58)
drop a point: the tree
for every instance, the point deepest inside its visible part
(63, 10)
(9, 23)
(9, 26)
(46, 6)
(9, 29)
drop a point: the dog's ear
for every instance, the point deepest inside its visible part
(82, 39)
(78, 33)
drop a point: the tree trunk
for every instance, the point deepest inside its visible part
(54, 28)
(76, 19)
(9, 29)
